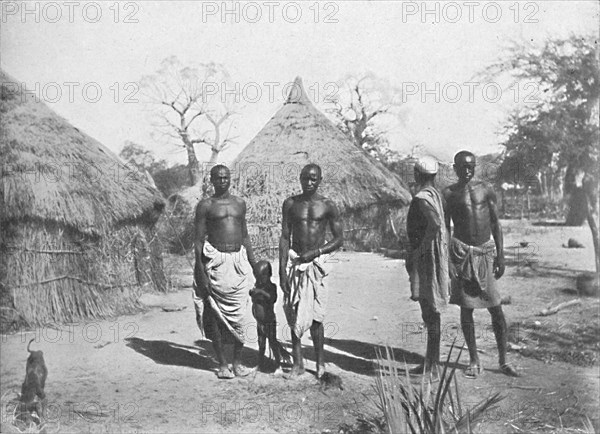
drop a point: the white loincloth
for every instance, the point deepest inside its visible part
(230, 280)
(307, 301)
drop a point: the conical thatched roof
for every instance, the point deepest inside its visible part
(53, 172)
(299, 134)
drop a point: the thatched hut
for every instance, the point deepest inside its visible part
(76, 225)
(370, 197)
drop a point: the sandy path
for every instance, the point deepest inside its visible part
(153, 372)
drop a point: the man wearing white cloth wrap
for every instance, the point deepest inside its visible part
(223, 271)
(302, 266)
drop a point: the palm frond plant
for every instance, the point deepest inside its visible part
(421, 410)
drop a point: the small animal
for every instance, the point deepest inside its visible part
(330, 381)
(264, 296)
(36, 374)
(573, 244)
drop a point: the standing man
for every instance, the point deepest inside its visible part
(476, 262)
(223, 270)
(427, 261)
(302, 267)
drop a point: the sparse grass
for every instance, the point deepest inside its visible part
(543, 427)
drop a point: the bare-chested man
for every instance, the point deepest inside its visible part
(475, 260)
(301, 268)
(223, 271)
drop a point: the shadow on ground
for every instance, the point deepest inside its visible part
(170, 353)
(363, 356)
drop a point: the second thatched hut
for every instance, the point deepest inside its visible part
(371, 199)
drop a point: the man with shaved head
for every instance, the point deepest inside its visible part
(303, 252)
(223, 270)
(476, 261)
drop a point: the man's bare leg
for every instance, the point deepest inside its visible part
(468, 329)
(317, 332)
(298, 367)
(433, 327)
(238, 369)
(217, 342)
(500, 332)
(432, 356)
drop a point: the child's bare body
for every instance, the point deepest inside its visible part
(264, 296)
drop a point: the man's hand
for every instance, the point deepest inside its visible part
(452, 270)
(285, 288)
(499, 267)
(408, 263)
(201, 292)
(308, 256)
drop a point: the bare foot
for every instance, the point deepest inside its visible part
(474, 371)
(241, 371)
(320, 371)
(295, 372)
(507, 369)
(418, 370)
(225, 373)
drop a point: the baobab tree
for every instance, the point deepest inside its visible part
(191, 108)
(365, 108)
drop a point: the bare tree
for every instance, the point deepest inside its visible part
(191, 107)
(366, 109)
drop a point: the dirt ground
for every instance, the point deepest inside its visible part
(152, 372)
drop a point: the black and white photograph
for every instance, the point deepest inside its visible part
(331, 217)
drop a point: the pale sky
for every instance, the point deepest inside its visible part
(394, 40)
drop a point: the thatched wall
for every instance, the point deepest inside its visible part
(53, 274)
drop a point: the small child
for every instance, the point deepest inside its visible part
(264, 296)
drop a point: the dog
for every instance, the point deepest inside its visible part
(36, 374)
(264, 296)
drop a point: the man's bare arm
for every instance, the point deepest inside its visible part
(447, 213)
(337, 230)
(246, 241)
(496, 233)
(200, 277)
(335, 225)
(284, 243)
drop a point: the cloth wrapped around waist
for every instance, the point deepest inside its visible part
(230, 280)
(474, 265)
(307, 300)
